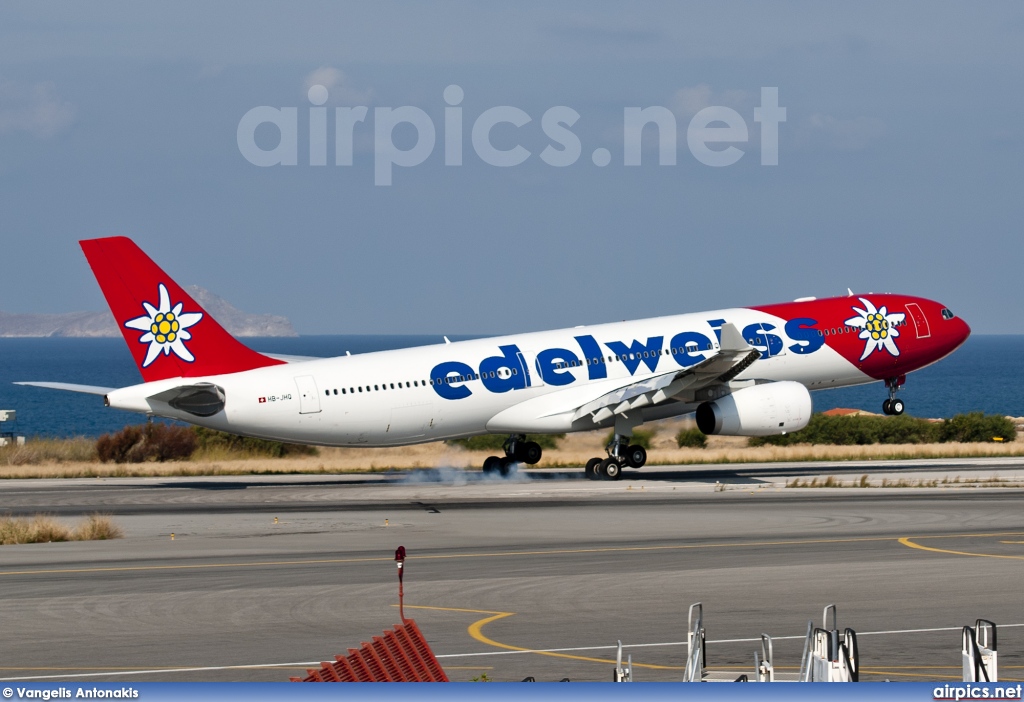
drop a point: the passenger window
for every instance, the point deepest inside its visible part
(416, 383)
(343, 391)
(327, 392)
(335, 391)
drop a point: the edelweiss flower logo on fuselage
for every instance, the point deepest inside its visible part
(878, 328)
(166, 328)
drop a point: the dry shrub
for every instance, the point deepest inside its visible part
(150, 442)
(39, 529)
(43, 528)
(97, 527)
(691, 438)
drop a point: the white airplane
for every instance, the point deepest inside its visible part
(744, 371)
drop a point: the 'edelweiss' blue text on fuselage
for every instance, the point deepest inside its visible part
(686, 348)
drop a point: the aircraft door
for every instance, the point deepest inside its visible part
(309, 396)
(920, 321)
(528, 361)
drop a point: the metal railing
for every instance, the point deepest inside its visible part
(979, 651)
(621, 674)
(695, 645)
(827, 657)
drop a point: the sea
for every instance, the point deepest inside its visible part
(982, 376)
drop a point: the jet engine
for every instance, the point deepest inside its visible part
(760, 410)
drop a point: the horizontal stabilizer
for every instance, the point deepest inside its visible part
(87, 389)
(290, 358)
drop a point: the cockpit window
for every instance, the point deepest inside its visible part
(947, 314)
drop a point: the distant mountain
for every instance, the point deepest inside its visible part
(79, 324)
(101, 324)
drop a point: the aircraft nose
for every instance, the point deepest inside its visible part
(956, 333)
(962, 332)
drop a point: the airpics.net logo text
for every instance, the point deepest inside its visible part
(714, 135)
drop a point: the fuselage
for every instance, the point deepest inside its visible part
(532, 382)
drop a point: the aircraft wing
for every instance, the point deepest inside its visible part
(734, 356)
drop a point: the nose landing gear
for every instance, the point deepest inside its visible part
(517, 450)
(894, 405)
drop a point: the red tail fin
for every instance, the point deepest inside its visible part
(169, 334)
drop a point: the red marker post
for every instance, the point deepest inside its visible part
(400, 560)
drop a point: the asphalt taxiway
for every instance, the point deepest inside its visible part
(537, 576)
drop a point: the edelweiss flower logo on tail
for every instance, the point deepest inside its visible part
(879, 328)
(166, 328)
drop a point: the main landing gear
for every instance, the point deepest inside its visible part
(620, 455)
(894, 405)
(517, 450)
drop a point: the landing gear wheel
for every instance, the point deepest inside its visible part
(609, 469)
(886, 407)
(896, 407)
(636, 456)
(492, 465)
(506, 466)
(530, 452)
(590, 470)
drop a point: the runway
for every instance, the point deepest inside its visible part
(512, 578)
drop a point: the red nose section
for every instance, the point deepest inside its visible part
(959, 333)
(883, 335)
(168, 333)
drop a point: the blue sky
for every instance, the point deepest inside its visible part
(900, 161)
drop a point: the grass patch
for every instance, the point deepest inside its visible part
(832, 481)
(45, 529)
(147, 443)
(829, 482)
(495, 442)
(36, 451)
(863, 430)
(218, 445)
